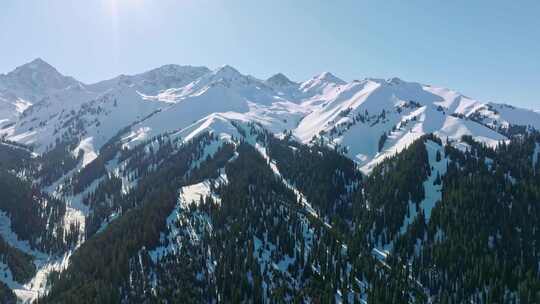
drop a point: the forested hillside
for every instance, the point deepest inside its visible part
(230, 189)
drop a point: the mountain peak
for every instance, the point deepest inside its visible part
(394, 80)
(329, 77)
(321, 82)
(39, 61)
(227, 71)
(153, 81)
(279, 80)
(36, 65)
(175, 70)
(34, 80)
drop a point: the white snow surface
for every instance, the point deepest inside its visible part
(191, 100)
(432, 192)
(187, 195)
(44, 264)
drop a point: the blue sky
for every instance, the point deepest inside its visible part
(485, 49)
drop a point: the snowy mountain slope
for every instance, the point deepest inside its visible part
(192, 117)
(154, 81)
(10, 109)
(217, 104)
(89, 115)
(28, 84)
(100, 110)
(320, 84)
(357, 115)
(124, 129)
(35, 80)
(131, 135)
(280, 81)
(409, 109)
(369, 119)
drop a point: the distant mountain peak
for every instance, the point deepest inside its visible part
(320, 83)
(156, 80)
(227, 75)
(330, 78)
(37, 65)
(279, 80)
(39, 60)
(227, 71)
(387, 81)
(35, 80)
(395, 81)
(175, 69)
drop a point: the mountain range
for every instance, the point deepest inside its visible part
(38, 102)
(185, 184)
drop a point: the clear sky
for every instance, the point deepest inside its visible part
(485, 49)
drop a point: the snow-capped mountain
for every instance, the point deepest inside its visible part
(28, 84)
(321, 84)
(35, 80)
(354, 116)
(154, 81)
(181, 174)
(280, 81)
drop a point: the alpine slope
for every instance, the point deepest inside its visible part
(368, 119)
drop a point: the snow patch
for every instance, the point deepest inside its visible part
(432, 192)
(86, 147)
